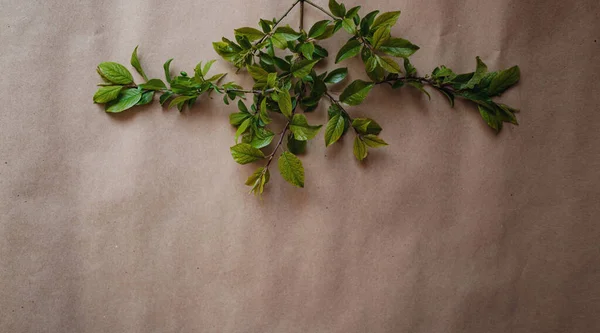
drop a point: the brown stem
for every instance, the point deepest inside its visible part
(301, 15)
(320, 8)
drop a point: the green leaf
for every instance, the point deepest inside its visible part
(373, 141)
(279, 41)
(360, 148)
(154, 84)
(258, 179)
(265, 25)
(409, 68)
(307, 50)
(165, 96)
(107, 94)
(380, 36)
(349, 25)
(115, 73)
(419, 86)
(262, 137)
(329, 31)
(237, 118)
(166, 67)
(179, 101)
(250, 33)
(135, 62)
(366, 126)
(243, 128)
(291, 169)
(388, 64)
(318, 29)
(295, 146)
(398, 47)
(285, 103)
(479, 74)
(352, 12)
(366, 22)
(334, 129)
(127, 99)
(337, 75)
(287, 33)
(504, 80)
(146, 98)
(356, 92)
(387, 19)
(207, 67)
(301, 129)
(490, 117)
(337, 9)
(257, 73)
(349, 50)
(263, 114)
(449, 94)
(302, 68)
(244, 153)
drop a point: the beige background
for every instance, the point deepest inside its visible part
(140, 222)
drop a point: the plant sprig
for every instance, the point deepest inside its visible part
(282, 61)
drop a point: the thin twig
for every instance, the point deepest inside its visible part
(301, 15)
(262, 39)
(320, 8)
(256, 92)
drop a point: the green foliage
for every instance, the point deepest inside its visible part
(285, 65)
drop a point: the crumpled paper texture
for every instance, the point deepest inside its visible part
(140, 222)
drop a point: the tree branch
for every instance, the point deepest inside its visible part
(320, 8)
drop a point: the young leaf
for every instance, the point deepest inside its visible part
(291, 169)
(479, 74)
(398, 47)
(334, 129)
(244, 153)
(166, 67)
(360, 148)
(257, 73)
(135, 62)
(337, 9)
(336, 75)
(154, 84)
(207, 67)
(380, 36)
(301, 129)
(318, 29)
(243, 127)
(388, 64)
(385, 20)
(250, 33)
(127, 99)
(258, 180)
(504, 80)
(107, 94)
(356, 92)
(115, 73)
(349, 50)
(302, 68)
(285, 103)
(373, 141)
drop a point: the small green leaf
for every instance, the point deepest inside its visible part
(127, 99)
(419, 86)
(352, 12)
(291, 169)
(385, 20)
(388, 64)
(237, 118)
(449, 94)
(115, 73)
(366, 126)
(398, 47)
(318, 29)
(165, 96)
(250, 33)
(360, 148)
(373, 141)
(295, 146)
(243, 128)
(367, 21)
(349, 50)
(107, 94)
(179, 101)
(337, 75)
(490, 117)
(166, 67)
(349, 25)
(504, 80)
(380, 36)
(258, 179)
(265, 25)
(257, 73)
(301, 129)
(356, 92)
(154, 84)
(207, 67)
(244, 153)
(307, 50)
(329, 31)
(287, 33)
(135, 62)
(409, 68)
(334, 129)
(285, 103)
(337, 9)
(302, 68)
(146, 98)
(262, 137)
